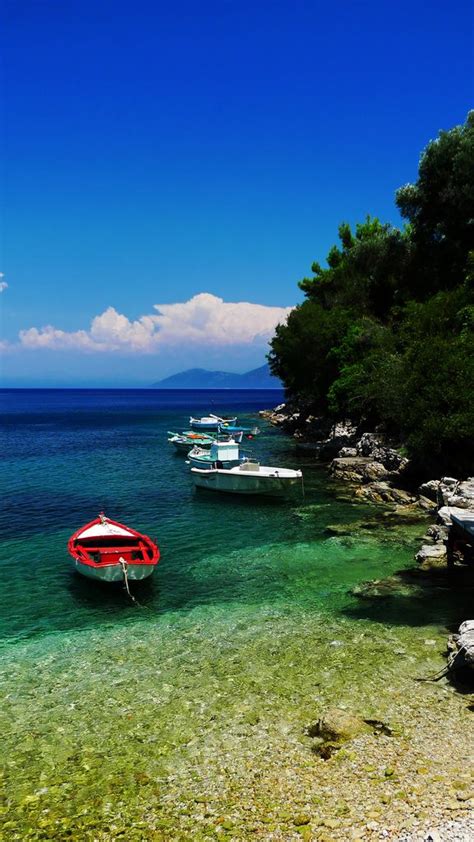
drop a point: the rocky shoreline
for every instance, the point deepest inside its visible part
(376, 471)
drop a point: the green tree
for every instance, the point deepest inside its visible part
(385, 335)
(437, 378)
(440, 208)
(365, 272)
(301, 352)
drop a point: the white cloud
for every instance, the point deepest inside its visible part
(207, 318)
(203, 320)
(50, 337)
(3, 284)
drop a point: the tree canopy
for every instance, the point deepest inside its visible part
(385, 335)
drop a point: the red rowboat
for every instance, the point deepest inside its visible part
(106, 550)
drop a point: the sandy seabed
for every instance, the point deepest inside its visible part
(194, 728)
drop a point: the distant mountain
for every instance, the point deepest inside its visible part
(199, 378)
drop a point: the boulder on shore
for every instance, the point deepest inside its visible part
(370, 445)
(461, 647)
(445, 513)
(451, 492)
(356, 469)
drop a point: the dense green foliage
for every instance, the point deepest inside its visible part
(385, 335)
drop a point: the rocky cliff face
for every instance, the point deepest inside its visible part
(376, 468)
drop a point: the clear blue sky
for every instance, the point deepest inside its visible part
(155, 151)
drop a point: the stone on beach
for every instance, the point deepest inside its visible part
(462, 647)
(338, 726)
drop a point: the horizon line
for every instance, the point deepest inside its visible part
(143, 388)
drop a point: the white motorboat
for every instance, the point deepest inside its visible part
(247, 478)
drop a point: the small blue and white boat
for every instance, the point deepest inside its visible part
(231, 428)
(184, 442)
(209, 422)
(222, 454)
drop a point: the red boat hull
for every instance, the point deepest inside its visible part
(107, 550)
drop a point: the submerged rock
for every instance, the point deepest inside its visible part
(351, 528)
(385, 492)
(338, 726)
(382, 588)
(407, 513)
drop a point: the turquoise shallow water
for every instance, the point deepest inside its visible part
(248, 622)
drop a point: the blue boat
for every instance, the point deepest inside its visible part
(230, 428)
(209, 422)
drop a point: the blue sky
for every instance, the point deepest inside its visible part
(200, 155)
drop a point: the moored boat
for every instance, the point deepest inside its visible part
(184, 442)
(248, 478)
(209, 422)
(232, 429)
(222, 454)
(111, 552)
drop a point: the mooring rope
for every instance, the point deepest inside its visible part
(124, 567)
(437, 675)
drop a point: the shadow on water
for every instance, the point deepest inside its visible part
(417, 598)
(243, 501)
(111, 597)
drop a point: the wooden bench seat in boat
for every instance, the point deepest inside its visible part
(131, 553)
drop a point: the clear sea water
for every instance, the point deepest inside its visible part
(118, 713)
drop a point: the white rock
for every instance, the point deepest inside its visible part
(431, 551)
(444, 514)
(468, 625)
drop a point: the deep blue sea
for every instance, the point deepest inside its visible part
(117, 718)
